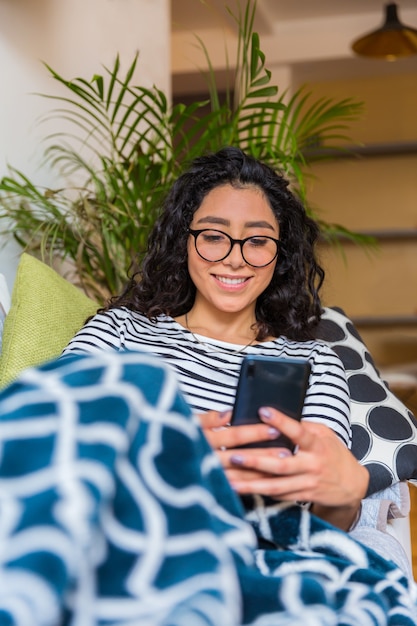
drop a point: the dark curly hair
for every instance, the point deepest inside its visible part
(289, 306)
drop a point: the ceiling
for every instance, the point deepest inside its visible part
(198, 14)
(311, 37)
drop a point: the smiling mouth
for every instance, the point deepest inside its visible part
(231, 281)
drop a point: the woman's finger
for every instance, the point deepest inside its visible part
(238, 436)
(302, 434)
(214, 419)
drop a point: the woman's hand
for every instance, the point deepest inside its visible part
(222, 436)
(323, 471)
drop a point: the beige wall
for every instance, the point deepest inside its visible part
(76, 38)
(376, 193)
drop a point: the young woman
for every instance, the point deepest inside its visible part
(231, 271)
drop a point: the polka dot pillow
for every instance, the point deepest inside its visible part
(384, 431)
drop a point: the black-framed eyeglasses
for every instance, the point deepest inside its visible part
(215, 245)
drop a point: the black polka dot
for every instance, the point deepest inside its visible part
(406, 462)
(351, 359)
(363, 389)
(330, 331)
(361, 441)
(381, 477)
(413, 420)
(352, 330)
(369, 359)
(388, 423)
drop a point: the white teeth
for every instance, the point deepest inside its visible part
(231, 281)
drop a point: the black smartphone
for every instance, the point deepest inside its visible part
(265, 381)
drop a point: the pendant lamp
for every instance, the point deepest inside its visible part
(391, 41)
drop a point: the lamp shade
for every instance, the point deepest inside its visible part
(391, 41)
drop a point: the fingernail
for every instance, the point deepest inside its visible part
(265, 412)
(273, 433)
(237, 459)
(284, 454)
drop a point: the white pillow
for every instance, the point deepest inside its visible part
(4, 296)
(4, 303)
(384, 431)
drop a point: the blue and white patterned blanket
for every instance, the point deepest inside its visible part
(114, 511)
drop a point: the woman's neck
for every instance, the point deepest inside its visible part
(237, 328)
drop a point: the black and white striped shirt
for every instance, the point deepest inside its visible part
(208, 372)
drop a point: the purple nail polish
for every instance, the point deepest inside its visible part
(273, 433)
(237, 459)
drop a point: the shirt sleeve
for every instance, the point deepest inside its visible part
(328, 400)
(105, 331)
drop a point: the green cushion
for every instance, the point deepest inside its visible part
(46, 311)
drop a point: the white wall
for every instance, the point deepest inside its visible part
(76, 38)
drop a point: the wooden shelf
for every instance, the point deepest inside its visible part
(397, 148)
(386, 234)
(371, 321)
(373, 237)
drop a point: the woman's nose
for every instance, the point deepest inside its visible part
(235, 258)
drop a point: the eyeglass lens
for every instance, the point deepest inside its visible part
(214, 245)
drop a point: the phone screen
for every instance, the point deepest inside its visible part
(277, 382)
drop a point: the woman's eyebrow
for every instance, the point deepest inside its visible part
(259, 224)
(211, 219)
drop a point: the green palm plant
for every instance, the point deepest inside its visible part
(126, 144)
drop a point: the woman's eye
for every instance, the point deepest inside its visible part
(258, 242)
(213, 238)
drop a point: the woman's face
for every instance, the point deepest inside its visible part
(232, 285)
